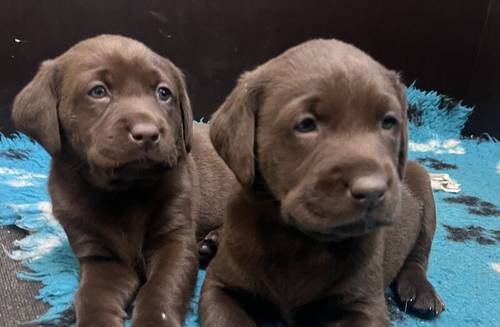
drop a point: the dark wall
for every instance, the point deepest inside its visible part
(446, 45)
(484, 87)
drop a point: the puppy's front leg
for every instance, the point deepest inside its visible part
(219, 309)
(172, 265)
(106, 288)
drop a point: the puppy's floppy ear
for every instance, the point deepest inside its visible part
(403, 147)
(186, 111)
(35, 108)
(232, 128)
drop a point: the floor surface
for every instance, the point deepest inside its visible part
(17, 304)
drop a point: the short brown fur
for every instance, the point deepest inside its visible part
(123, 182)
(330, 213)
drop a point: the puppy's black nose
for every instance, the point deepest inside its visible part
(369, 190)
(145, 134)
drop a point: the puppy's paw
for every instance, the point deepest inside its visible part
(417, 295)
(208, 247)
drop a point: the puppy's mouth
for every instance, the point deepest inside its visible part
(141, 166)
(135, 171)
(343, 232)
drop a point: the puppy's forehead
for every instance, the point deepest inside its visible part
(337, 74)
(115, 55)
(357, 90)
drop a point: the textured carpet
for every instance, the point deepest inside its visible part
(16, 296)
(465, 259)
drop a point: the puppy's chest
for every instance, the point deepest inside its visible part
(128, 238)
(293, 281)
(124, 230)
(131, 229)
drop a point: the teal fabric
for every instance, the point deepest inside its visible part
(465, 259)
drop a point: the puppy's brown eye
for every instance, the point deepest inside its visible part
(164, 93)
(389, 122)
(305, 126)
(98, 92)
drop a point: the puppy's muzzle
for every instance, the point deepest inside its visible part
(344, 199)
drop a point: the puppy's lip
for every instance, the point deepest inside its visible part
(143, 164)
(139, 169)
(340, 233)
(364, 225)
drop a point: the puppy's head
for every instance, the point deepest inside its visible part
(113, 106)
(325, 125)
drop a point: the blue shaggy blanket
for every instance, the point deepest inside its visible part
(465, 258)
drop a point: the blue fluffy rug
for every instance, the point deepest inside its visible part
(465, 259)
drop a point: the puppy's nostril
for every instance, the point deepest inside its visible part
(369, 189)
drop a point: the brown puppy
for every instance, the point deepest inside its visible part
(116, 119)
(330, 212)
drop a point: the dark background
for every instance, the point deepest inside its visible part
(451, 46)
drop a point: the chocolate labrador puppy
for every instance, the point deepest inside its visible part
(331, 212)
(116, 119)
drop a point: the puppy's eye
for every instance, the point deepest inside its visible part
(164, 93)
(306, 125)
(98, 92)
(389, 122)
